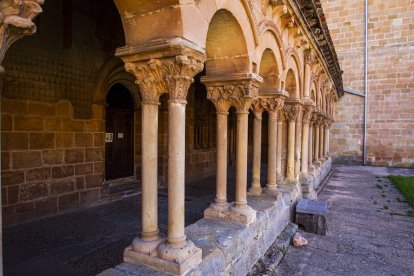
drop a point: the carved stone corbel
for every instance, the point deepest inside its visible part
(16, 18)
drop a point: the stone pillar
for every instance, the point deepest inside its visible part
(316, 161)
(291, 111)
(148, 82)
(298, 141)
(172, 73)
(15, 23)
(238, 90)
(273, 106)
(326, 131)
(215, 93)
(279, 175)
(257, 109)
(305, 139)
(311, 144)
(321, 140)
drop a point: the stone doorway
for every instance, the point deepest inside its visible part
(119, 136)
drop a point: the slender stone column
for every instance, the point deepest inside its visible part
(171, 74)
(316, 154)
(238, 90)
(326, 145)
(305, 139)
(321, 140)
(151, 89)
(274, 105)
(257, 109)
(291, 111)
(279, 175)
(311, 144)
(298, 141)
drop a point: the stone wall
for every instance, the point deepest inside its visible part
(390, 126)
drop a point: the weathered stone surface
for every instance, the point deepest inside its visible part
(94, 180)
(12, 194)
(64, 109)
(84, 169)
(32, 191)
(41, 109)
(10, 106)
(73, 156)
(95, 126)
(80, 183)
(6, 122)
(64, 140)
(94, 154)
(12, 178)
(98, 167)
(89, 196)
(72, 125)
(53, 157)
(83, 140)
(45, 206)
(5, 160)
(62, 187)
(53, 124)
(28, 123)
(98, 140)
(63, 171)
(68, 201)
(26, 159)
(37, 174)
(14, 141)
(42, 140)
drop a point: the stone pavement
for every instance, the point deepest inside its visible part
(368, 232)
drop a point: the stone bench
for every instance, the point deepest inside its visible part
(311, 215)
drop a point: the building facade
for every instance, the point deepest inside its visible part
(107, 93)
(390, 86)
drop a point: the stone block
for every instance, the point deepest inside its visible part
(14, 141)
(26, 159)
(23, 123)
(13, 194)
(68, 201)
(64, 140)
(93, 180)
(98, 112)
(72, 125)
(41, 109)
(94, 126)
(98, 167)
(63, 171)
(4, 200)
(73, 156)
(94, 154)
(61, 187)
(12, 178)
(83, 169)
(11, 106)
(37, 174)
(6, 123)
(31, 191)
(64, 109)
(42, 140)
(83, 140)
(311, 215)
(98, 139)
(5, 160)
(53, 157)
(80, 183)
(89, 196)
(53, 124)
(24, 208)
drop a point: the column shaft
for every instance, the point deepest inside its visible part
(149, 166)
(316, 143)
(291, 150)
(321, 138)
(221, 175)
(305, 150)
(310, 155)
(176, 172)
(272, 149)
(257, 146)
(241, 158)
(279, 149)
(326, 144)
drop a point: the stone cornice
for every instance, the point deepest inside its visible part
(312, 14)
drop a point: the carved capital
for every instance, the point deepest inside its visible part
(307, 114)
(291, 111)
(238, 91)
(257, 108)
(273, 106)
(310, 57)
(16, 21)
(170, 75)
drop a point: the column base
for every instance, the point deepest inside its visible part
(317, 163)
(217, 211)
(146, 247)
(174, 260)
(255, 191)
(242, 214)
(271, 192)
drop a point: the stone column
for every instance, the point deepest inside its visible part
(298, 141)
(317, 142)
(257, 109)
(311, 144)
(279, 175)
(15, 23)
(273, 106)
(321, 140)
(216, 94)
(326, 145)
(148, 80)
(305, 139)
(238, 90)
(291, 111)
(172, 73)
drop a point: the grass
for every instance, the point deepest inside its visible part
(406, 186)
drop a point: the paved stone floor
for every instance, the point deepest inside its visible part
(368, 233)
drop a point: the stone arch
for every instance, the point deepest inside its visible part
(313, 90)
(293, 63)
(269, 40)
(269, 70)
(113, 72)
(226, 46)
(291, 84)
